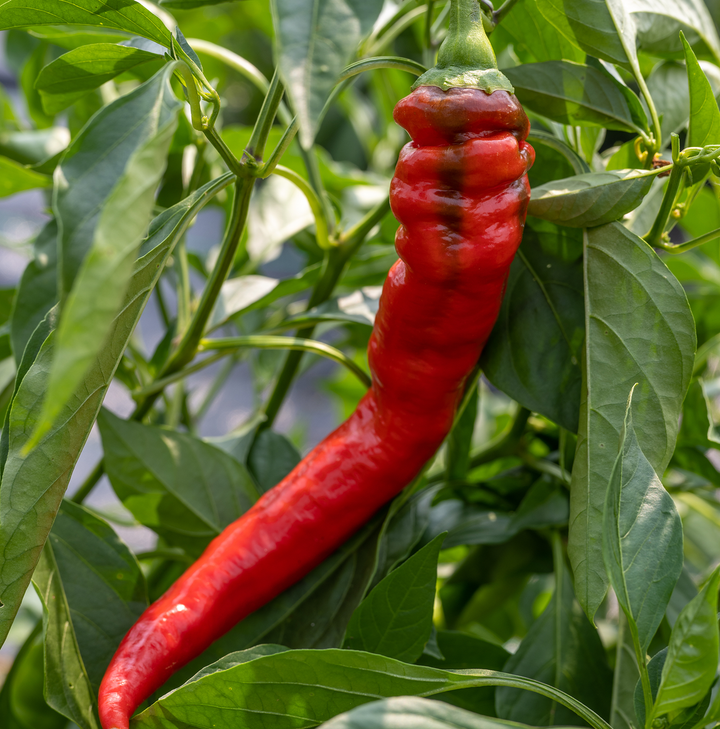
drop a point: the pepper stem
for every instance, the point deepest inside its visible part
(466, 58)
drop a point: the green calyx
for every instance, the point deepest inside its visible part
(466, 58)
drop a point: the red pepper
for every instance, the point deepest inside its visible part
(460, 192)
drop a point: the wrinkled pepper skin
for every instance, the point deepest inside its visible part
(460, 192)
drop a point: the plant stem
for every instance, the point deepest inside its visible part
(657, 145)
(158, 385)
(238, 63)
(268, 341)
(89, 483)
(654, 237)
(286, 140)
(394, 30)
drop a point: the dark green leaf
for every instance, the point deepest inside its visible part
(585, 201)
(634, 309)
(103, 203)
(64, 667)
(574, 93)
(32, 486)
(544, 505)
(563, 650)
(83, 70)
(395, 619)
(315, 40)
(642, 537)
(102, 584)
(626, 676)
(37, 291)
(533, 353)
(271, 458)
(126, 15)
(184, 489)
(692, 656)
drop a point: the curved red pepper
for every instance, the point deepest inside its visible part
(460, 191)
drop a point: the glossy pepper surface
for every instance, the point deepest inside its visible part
(460, 192)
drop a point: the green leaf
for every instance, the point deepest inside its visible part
(543, 506)
(33, 146)
(561, 649)
(593, 199)
(658, 24)
(177, 485)
(692, 656)
(83, 70)
(704, 113)
(358, 307)
(238, 294)
(104, 198)
(395, 619)
(602, 28)
(314, 41)
(16, 178)
(574, 93)
(37, 290)
(634, 309)
(642, 538)
(271, 458)
(408, 711)
(531, 34)
(67, 686)
(533, 353)
(341, 680)
(32, 486)
(101, 582)
(625, 679)
(126, 15)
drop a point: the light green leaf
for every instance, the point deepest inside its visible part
(358, 307)
(105, 192)
(692, 656)
(341, 680)
(32, 486)
(408, 711)
(574, 93)
(642, 538)
(181, 487)
(395, 619)
(561, 649)
(593, 199)
(33, 146)
(15, 178)
(658, 24)
(237, 294)
(126, 15)
(639, 328)
(83, 70)
(532, 34)
(704, 113)
(602, 28)
(314, 41)
(67, 686)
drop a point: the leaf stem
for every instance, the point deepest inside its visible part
(690, 244)
(559, 569)
(654, 236)
(656, 144)
(238, 63)
(286, 140)
(89, 483)
(268, 341)
(256, 146)
(502, 11)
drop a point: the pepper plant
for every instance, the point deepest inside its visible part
(556, 561)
